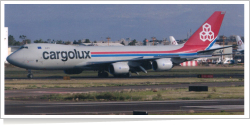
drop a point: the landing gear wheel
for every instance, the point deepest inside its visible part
(30, 76)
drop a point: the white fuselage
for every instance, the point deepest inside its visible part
(56, 56)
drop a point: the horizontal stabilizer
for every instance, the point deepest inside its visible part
(222, 54)
(210, 50)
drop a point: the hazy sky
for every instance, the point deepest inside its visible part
(96, 22)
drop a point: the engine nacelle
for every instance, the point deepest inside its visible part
(73, 71)
(163, 64)
(119, 68)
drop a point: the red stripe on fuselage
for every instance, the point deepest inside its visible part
(185, 49)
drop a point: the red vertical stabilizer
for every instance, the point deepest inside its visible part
(206, 35)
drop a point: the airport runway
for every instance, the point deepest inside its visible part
(47, 91)
(135, 76)
(127, 108)
(31, 107)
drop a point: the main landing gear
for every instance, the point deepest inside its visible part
(103, 74)
(127, 75)
(30, 75)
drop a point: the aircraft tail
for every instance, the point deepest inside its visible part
(207, 33)
(239, 43)
(172, 41)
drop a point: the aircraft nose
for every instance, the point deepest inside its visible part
(13, 59)
(10, 59)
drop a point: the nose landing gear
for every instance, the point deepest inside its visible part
(30, 75)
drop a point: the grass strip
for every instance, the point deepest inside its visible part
(76, 83)
(15, 72)
(236, 92)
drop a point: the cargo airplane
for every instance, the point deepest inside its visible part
(172, 40)
(240, 44)
(118, 60)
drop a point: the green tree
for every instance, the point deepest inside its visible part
(75, 42)
(24, 40)
(22, 37)
(39, 41)
(67, 42)
(11, 40)
(17, 43)
(79, 41)
(87, 41)
(132, 43)
(59, 41)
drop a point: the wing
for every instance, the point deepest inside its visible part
(99, 65)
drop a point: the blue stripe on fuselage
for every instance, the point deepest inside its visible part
(123, 55)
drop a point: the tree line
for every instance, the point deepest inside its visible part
(13, 42)
(25, 40)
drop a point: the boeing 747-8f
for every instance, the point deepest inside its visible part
(118, 60)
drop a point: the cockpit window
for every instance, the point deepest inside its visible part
(26, 47)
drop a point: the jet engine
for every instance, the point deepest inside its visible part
(72, 71)
(163, 64)
(119, 68)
